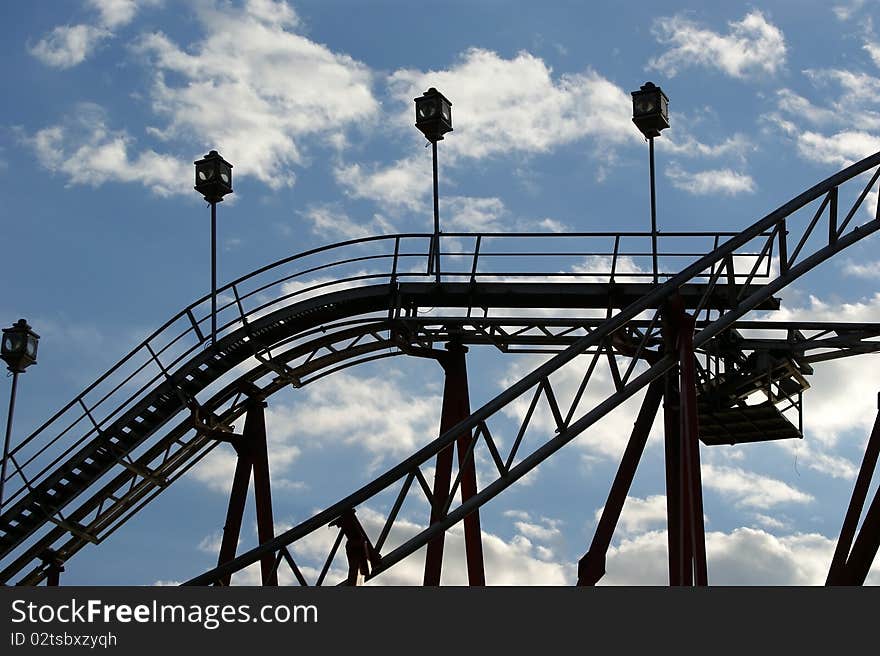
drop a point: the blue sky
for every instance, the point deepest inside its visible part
(110, 101)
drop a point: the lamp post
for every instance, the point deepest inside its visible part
(213, 181)
(19, 350)
(651, 115)
(434, 119)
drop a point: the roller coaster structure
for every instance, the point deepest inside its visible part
(170, 401)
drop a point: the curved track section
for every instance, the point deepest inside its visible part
(797, 256)
(114, 437)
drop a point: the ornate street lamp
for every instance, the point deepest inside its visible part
(18, 349)
(213, 181)
(651, 116)
(434, 119)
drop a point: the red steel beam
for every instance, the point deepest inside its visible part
(691, 478)
(253, 455)
(255, 436)
(235, 510)
(672, 454)
(837, 570)
(456, 407)
(591, 567)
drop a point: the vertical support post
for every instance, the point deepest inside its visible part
(213, 273)
(653, 208)
(837, 573)
(253, 454)
(684, 492)
(456, 407)
(591, 567)
(672, 455)
(691, 450)
(8, 438)
(255, 435)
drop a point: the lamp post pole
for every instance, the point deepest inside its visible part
(18, 350)
(653, 209)
(213, 181)
(436, 248)
(214, 271)
(8, 437)
(434, 119)
(651, 116)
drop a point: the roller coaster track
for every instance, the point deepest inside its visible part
(168, 402)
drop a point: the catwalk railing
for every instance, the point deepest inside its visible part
(484, 257)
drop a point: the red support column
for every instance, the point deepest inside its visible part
(691, 451)
(672, 442)
(591, 567)
(253, 454)
(456, 407)
(684, 491)
(255, 435)
(843, 564)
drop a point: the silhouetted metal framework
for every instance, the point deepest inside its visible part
(170, 401)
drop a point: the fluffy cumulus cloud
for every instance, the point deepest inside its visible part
(332, 223)
(824, 132)
(68, 45)
(86, 150)
(745, 556)
(404, 184)
(748, 489)
(725, 182)
(380, 414)
(276, 88)
(529, 110)
(752, 46)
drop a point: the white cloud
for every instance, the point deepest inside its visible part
(254, 87)
(716, 181)
(748, 489)
(846, 94)
(68, 45)
(544, 531)
(842, 148)
(382, 415)
(752, 46)
(873, 49)
(528, 110)
(116, 13)
(870, 270)
(846, 11)
(470, 214)
(640, 514)
(331, 223)
(791, 103)
(403, 184)
(688, 146)
(745, 556)
(86, 151)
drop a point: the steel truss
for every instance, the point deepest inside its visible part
(280, 337)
